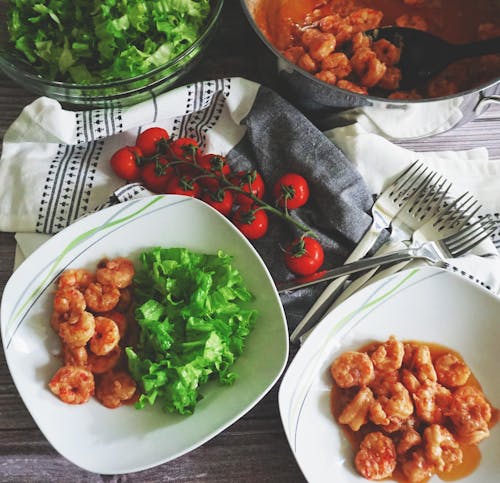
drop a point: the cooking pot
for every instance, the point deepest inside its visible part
(327, 105)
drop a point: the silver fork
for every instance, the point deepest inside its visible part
(414, 179)
(456, 214)
(452, 246)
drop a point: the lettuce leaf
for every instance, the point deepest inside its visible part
(85, 41)
(194, 317)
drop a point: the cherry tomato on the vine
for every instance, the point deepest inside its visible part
(184, 185)
(251, 222)
(250, 182)
(304, 256)
(185, 148)
(126, 163)
(217, 165)
(151, 140)
(291, 191)
(156, 174)
(221, 200)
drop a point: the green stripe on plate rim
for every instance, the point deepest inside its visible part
(71, 245)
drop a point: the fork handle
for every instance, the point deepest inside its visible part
(358, 266)
(331, 292)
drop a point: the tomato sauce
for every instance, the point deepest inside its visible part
(339, 398)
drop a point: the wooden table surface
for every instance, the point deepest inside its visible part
(255, 447)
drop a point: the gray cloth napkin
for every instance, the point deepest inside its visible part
(55, 165)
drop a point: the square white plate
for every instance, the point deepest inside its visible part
(126, 439)
(427, 304)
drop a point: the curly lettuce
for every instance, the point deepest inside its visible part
(194, 316)
(92, 41)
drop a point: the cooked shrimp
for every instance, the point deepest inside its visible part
(351, 86)
(73, 385)
(293, 54)
(470, 414)
(411, 21)
(383, 382)
(326, 76)
(78, 278)
(411, 438)
(451, 370)
(376, 458)
(352, 369)
(387, 52)
(422, 364)
(113, 388)
(398, 403)
(307, 63)
(355, 414)
(365, 19)
(410, 381)
(101, 298)
(440, 87)
(118, 272)
(441, 448)
(338, 63)
(361, 40)
(320, 45)
(75, 356)
(79, 333)
(392, 409)
(389, 355)
(366, 65)
(432, 401)
(102, 364)
(416, 467)
(391, 79)
(106, 336)
(119, 319)
(330, 23)
(69, 300)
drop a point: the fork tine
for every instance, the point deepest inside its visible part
(463, 241)
(422, 186)
(407, 173)
(434, 198)
(443, 218)
(400, 191)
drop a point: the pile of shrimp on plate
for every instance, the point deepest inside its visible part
(409, 409)
(91, 315)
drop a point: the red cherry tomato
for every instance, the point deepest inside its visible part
(150, 141)
(304, 256)
(217, 165)
(291, 191)
(126, 163)
(221, 200)
(183, 186)
(252, 223)
(156, 174)
(185, 148)
(251, 182)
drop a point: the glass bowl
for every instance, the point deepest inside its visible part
(114, 93)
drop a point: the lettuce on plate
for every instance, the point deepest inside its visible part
(194, 316)
(93, 41)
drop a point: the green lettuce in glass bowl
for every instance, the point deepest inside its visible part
(103, 52)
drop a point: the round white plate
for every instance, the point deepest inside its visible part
(426, 304)
(125, 439)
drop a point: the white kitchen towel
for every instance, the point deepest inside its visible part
(55, 163)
